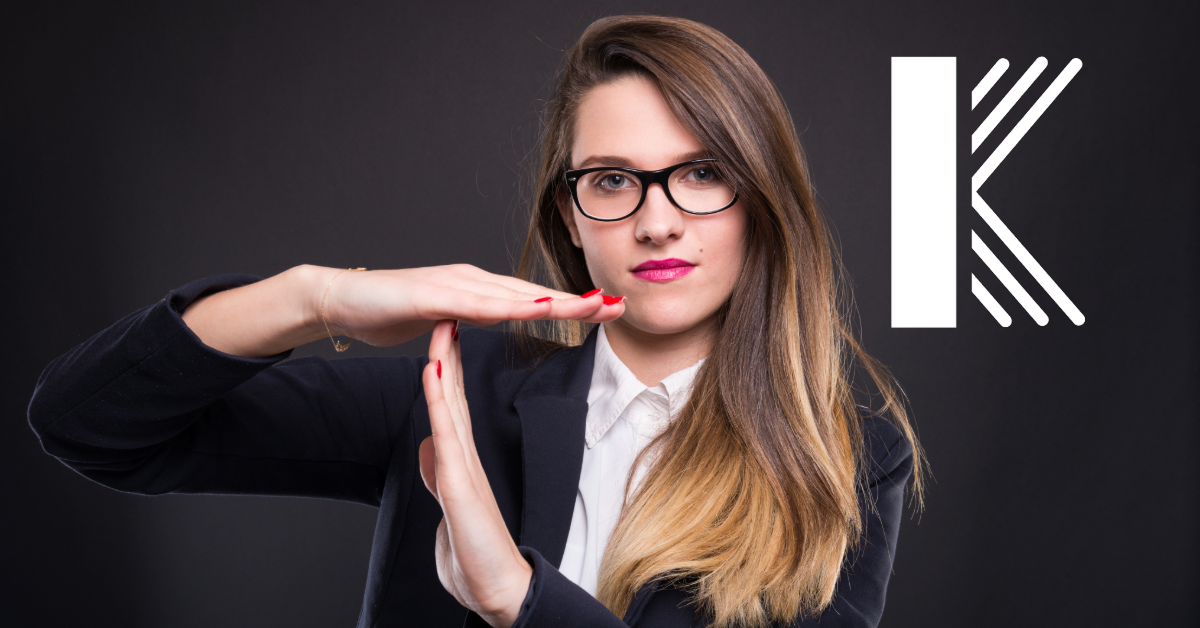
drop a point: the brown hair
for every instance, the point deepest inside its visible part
(760, 530)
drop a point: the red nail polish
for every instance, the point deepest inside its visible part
(612, 300)
(454, 336)
(543, 299)
(590, 293)
(439, 369)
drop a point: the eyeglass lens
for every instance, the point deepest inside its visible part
(611, 194)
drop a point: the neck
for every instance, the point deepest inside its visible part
(652, 357)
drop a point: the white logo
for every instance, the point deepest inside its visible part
(924, 163)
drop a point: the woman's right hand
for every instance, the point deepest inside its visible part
(378, 307)
(388, 307)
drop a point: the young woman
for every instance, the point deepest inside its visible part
(698, 458)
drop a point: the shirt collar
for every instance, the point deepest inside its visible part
(614, 387)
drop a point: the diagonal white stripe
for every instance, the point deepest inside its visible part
(989, 80)
(1006, 103)
(1022, 127)
(990, 302)
(1008, 280)
(1026, 259)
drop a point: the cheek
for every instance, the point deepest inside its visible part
(604, 248)
(725, 246)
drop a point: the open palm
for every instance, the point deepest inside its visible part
(477, 560)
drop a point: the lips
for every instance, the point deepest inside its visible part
(663, 269)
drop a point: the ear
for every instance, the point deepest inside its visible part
(566, 209)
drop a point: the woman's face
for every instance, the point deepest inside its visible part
(628, 123)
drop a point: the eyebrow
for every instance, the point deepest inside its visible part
(622, 162)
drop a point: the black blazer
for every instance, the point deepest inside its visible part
(145, 407)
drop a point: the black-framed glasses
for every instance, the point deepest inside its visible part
(610, 193)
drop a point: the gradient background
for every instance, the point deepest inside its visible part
(145, 145)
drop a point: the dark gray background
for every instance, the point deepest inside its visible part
(144, 145)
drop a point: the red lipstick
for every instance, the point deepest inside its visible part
(663, 269)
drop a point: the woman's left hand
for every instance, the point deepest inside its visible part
(477, 560)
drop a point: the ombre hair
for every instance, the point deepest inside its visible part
(759, 531)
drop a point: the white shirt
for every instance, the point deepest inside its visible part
(624, 415)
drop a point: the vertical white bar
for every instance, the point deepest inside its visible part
(923, 191)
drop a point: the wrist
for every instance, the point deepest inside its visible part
(503, 610)
(308, 284)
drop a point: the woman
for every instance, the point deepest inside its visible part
(697, 458)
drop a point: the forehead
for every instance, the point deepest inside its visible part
(629, 119)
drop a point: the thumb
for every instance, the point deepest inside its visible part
(427, 455)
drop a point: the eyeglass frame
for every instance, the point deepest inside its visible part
(646, 178)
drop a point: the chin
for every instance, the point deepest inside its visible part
(666, 317)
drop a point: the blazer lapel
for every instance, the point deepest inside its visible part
(553, 409)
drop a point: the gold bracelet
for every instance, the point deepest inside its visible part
(337, 346)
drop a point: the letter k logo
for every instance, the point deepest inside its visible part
(923, 192)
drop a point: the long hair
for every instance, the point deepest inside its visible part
(751, 501)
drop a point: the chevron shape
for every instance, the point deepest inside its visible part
(989, 166)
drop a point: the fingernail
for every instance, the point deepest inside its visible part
(454, 336)
(543, 299)
(439, 369)
(590, 293)
(612, 300)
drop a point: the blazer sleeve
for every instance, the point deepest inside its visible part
(553, 600)
(146, 407)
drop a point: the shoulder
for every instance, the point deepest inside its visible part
(885, 449)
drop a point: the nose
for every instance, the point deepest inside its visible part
(658, 221)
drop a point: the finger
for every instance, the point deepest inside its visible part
(481, 309)
(464, 506)
(467, 278)
(455, 390)
(608, 311)
(455, 397)
(449, 466)
(440, 353)
(426, 455)
(458, 389)
(594, 308)
(515, 284)
(597, 308)
(518, 292)
(493, 289)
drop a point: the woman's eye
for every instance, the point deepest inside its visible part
(614, 180)
(702, 174)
